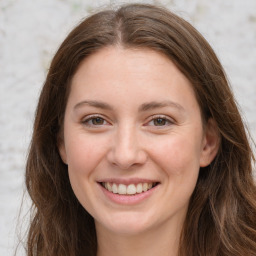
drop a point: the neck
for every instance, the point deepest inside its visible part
(163, 240)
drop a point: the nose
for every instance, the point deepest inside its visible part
(126, 150)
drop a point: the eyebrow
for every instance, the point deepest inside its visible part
(144, 107)
(94, 103)
(162, 104)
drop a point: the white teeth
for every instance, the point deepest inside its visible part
(114, 188)
(139, 188)
(121, 189)
(145, 187)
(108, 187)
(131, 189)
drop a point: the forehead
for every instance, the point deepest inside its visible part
(125, 74)
(126, 62)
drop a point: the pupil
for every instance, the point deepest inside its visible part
(97, 120)
(160, 121)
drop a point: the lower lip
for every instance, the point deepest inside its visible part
(128, 199)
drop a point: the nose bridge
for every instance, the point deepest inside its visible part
(126, 150)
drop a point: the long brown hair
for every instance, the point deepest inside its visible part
(221, 218)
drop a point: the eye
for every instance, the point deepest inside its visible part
(94, 121)
(160, 121)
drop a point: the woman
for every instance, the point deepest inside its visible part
(138, 146)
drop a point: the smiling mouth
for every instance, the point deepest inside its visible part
(131, 189)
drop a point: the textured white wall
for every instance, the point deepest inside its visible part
(30, 32)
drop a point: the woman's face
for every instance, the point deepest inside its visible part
(134, 140)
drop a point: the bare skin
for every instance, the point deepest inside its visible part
(132, 119)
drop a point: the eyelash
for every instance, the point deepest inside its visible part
(167, 121)
(88, 121)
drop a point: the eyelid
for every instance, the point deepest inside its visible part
(88, 118)
(167, 118)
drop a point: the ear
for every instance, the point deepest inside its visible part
(211, 143)
(62, 150)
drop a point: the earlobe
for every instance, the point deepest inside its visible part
(211, 143)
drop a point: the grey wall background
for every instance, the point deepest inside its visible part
(30, 32)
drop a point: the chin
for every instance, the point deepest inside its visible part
(128, 224)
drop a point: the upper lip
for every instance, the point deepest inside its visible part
(128, 181)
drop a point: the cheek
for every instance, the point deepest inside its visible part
(84, 154)
(177, 155)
